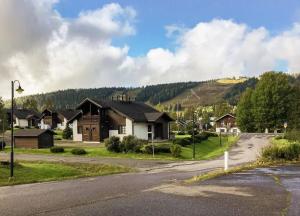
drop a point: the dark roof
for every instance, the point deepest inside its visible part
(24, 113)
(152, 117)
(137, 111)
(69, 114)
(228, 114)
(31, 132)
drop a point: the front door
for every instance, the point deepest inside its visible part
(91, 133)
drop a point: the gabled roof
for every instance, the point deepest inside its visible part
(136, 111)
(228, 114)
(68, 114)
(152, 117)
(24, 113)
(31, 132)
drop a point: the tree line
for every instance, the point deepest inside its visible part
(274, 101)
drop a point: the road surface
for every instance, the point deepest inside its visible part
(158, 190)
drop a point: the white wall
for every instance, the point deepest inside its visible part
(43, 125)
(21, 123)
(141, 130)
(224, 129)
(128, 130)
(62, 125)
(76, 135)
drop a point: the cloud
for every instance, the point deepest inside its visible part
(47, 51)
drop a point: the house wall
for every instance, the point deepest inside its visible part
(42, 125)
(21, 123)
(76, 135)
(26, 142)
(62, 125)
(129, 128)
(141, 130)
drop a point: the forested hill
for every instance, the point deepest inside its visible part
(168, 95)
(70, 98)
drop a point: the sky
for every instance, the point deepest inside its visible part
(59, 44)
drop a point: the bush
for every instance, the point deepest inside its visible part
(279, 137)
(113, 144)
(132, 144)
(175, 150)
(158, 148)
(57, 149)
(290, 151)
(181, 133)
(78, 151)
(210, 134)
(190, 132)
(182, 141)
(201, 137)
(67, 133)
(4, 144)
(293, 135)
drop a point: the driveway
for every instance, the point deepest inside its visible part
(147, 193)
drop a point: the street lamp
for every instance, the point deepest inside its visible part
(19, 90)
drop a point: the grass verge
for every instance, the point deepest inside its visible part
(208, 149)
(32, 172)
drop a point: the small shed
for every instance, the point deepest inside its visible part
(34, 138)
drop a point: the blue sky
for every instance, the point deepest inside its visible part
(154, 15)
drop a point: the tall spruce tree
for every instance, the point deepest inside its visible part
(245, 112)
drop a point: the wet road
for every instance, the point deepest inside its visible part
(158, 191)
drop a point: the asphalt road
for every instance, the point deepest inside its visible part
(158, 190)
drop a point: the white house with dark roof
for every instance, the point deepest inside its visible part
(23, 118)
(98, 120)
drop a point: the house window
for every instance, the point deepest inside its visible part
(122, 129)
(150, 128)
(79, 129)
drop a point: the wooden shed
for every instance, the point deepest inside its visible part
(34, 138)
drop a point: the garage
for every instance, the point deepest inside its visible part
(34, 138)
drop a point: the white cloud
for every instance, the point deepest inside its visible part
(46, 51)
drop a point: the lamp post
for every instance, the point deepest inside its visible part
(19, 90)
(2, 120)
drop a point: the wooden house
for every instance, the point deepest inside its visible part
(98, 120)
(227, 124)
(52, 119)
(34, 138)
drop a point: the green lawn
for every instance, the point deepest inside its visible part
(205, 150)
(30, 172)
(209, 149)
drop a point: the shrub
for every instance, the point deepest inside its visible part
(175, 150)
(210, 134)
(158, 148)
(182, 141)
(132, 144)
(190, 132)
(181, 133)
(113, 144)
(2, 145)
(279, 137)
(293, 135)
(78, 151)
(201, 137)
(57, 149)
(67, 133)
(290, 151)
